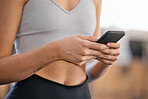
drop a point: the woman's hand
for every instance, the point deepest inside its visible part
(78, 49)
(106, 57)
(110, 55)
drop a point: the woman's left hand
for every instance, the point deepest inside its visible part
(111, 54)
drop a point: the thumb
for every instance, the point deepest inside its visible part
(89, 38)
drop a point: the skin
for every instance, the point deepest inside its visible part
(58, 63)
(69, 74)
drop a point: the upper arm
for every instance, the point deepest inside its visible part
(98, 3)
(10, 16)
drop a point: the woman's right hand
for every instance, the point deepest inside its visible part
(78, 49)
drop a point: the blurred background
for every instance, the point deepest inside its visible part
(128, 77)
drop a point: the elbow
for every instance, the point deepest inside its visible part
(6, 81)
(93, 76)
(10, 79)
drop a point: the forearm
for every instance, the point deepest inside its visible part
(18, 67)
(96, 70)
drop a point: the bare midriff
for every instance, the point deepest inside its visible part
(61, 71)
(64, 73)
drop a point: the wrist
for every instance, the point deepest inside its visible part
(51, 51)
(105, 65)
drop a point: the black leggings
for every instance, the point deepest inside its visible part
(36, 87)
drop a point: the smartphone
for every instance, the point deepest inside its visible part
(111, 36)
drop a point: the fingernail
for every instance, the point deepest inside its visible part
(109, 44)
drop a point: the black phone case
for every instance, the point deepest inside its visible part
(111, 36)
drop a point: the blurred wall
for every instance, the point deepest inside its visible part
(122, 82)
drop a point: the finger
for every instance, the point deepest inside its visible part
(111, 51)
(108, 57)
(90, 52)
(89, 38)
(108, 62)
(82, 63)
(99, 54)
(85, 59)
(95, 46)
(113, 45)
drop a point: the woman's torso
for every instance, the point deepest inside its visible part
(44, 21)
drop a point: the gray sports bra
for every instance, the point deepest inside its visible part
(44, 21)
